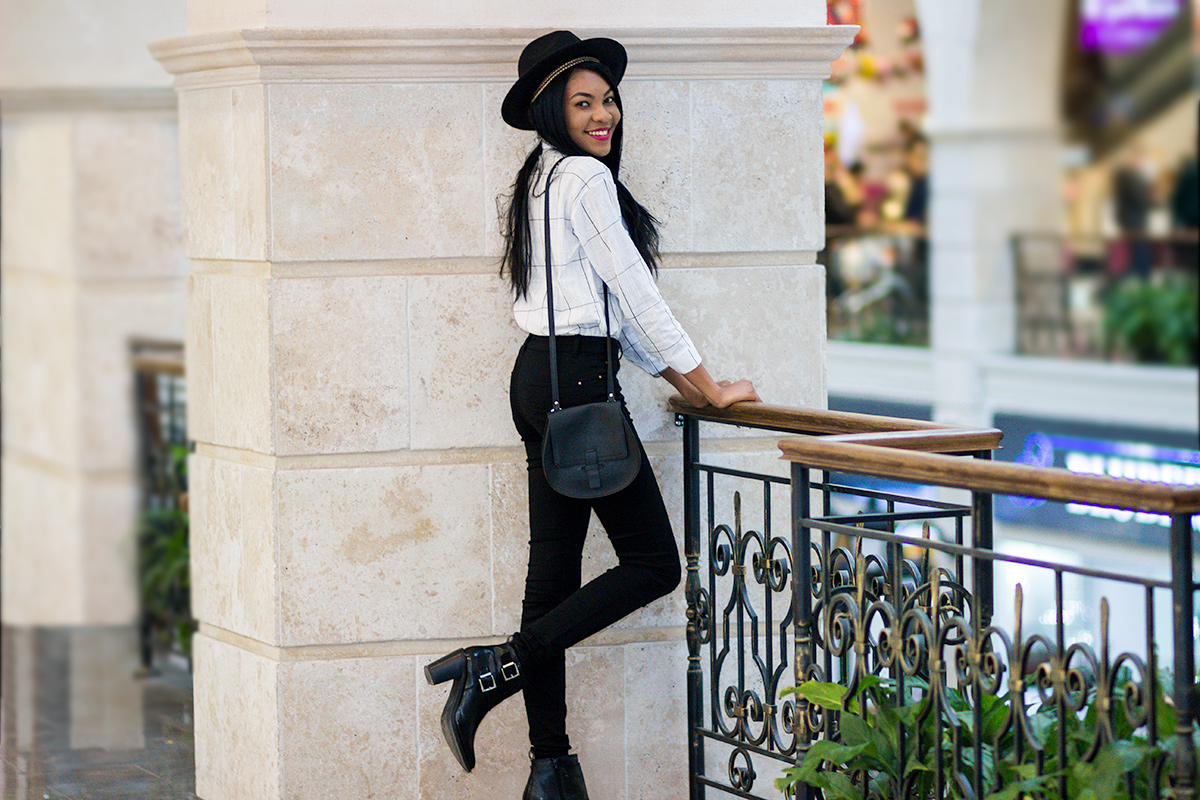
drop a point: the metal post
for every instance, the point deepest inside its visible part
(691, 548)
(982, 538)
(802, 598)
(1182, 588)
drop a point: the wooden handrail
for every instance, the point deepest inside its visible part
(1024, 480)
(885, 431)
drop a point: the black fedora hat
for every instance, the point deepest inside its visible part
(543, 59)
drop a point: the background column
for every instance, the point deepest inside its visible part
(995, 145)
(358, 493)
(91, 257)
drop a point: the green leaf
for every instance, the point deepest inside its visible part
(833, 752)
(825, 695)
(854, 730)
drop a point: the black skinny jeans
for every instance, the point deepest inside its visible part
(557, 613)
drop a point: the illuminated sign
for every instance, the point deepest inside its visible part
(1134, 454)
(1123, 26)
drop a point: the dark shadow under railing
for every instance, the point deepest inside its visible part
(859, 595)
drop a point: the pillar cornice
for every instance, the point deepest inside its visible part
(264, 56)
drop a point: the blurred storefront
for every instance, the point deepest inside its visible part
(1047, 283)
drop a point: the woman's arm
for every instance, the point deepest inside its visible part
(699, 389)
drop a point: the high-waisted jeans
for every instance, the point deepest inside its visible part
(557, 613)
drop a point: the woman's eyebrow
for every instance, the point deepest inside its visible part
(588, 94)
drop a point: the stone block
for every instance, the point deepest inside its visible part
(198, 355)
(756, 166)
(229, 338)
(68, 548)
(362, 172)
(238, 722)
(463, 342)
(127, 196)
(383, 553)
(656, 158)
(234, 547)
(42, 548)
(761, 323)
(42, 400)
(223, 140)
(504, 152)
(346, 728)
(596, 717)
(341, 365)
(656, 720)
(108, 548)
(510, 543)
(38, 193)
(108, 318)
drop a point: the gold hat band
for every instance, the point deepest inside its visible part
(572, 63)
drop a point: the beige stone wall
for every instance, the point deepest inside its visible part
(358, 490)
(90, 257)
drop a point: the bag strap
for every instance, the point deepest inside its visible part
(550, 311)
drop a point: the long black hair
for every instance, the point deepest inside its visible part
(550, 122)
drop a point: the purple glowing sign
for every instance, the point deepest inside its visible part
(1123, 26)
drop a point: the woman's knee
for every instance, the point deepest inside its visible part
(670, 574)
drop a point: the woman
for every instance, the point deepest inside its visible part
(601, 237)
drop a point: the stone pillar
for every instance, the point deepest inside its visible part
(358, 492)
(993, 71)
(91, 257)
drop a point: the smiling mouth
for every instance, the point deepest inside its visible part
(600, 134)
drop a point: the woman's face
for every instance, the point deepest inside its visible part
(591, 112)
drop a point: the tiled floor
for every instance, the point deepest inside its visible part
(80, 718)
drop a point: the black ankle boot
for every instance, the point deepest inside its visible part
(483, 676)
(557, 778)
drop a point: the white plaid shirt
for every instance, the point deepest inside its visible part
(591, 247)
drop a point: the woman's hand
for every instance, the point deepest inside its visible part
(720, 394)
(736, 392)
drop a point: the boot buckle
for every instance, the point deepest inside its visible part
(487, 681)
(510, 671)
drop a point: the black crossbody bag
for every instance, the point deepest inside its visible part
(591, 450)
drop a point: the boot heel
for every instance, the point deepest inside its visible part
(446, 668)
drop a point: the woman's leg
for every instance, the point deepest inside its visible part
(557, 613)
(557, 528)
(636, 522)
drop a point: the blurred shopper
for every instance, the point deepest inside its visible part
(1185, 199)
(843, 191)
(916, 164)
(1185, 212)
(1133, 197)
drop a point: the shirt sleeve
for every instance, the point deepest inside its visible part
(653, 338)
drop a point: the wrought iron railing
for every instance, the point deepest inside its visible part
(883, 597)
(1094, 298)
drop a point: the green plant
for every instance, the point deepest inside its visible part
(869, 747)
(164, 556)
(1157, 322)
(163, 566)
